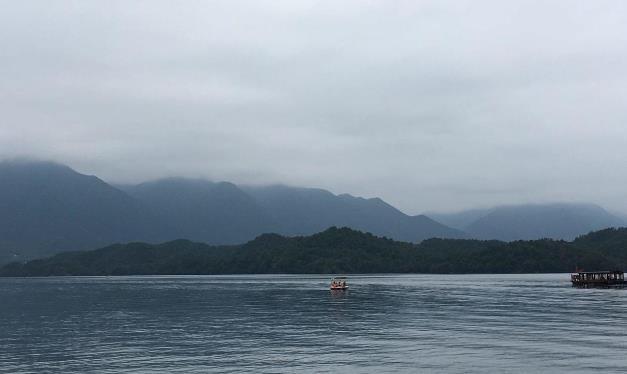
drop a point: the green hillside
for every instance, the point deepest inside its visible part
(338, 250)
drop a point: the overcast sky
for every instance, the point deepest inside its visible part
(430, 105)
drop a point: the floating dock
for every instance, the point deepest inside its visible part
(612, 278)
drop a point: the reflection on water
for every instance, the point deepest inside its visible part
(199, 324)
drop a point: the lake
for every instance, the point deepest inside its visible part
(293, 323)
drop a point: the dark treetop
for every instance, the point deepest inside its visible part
(338, 250)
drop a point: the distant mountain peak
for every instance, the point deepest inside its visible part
(32, 165)
(555, 220)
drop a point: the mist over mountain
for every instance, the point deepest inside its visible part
(47, 208)
(460, 220)
(533, 221)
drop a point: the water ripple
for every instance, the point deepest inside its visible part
(407, 323)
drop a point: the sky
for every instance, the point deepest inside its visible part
(430, 105)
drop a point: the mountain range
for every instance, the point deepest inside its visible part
(47, 208)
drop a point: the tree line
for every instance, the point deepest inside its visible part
(338, 250)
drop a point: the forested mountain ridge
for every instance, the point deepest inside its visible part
(338, 250)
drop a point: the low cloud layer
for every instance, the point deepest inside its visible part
(431, 105)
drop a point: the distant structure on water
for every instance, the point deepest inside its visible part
(613, 278)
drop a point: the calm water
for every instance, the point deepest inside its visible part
(199, 324)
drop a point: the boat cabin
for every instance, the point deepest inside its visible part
(598, 278)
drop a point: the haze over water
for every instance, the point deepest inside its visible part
(289, 323)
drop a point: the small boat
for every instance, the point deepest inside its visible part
(613, 278)
(339, 284)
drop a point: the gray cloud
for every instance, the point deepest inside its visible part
(431, 105)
